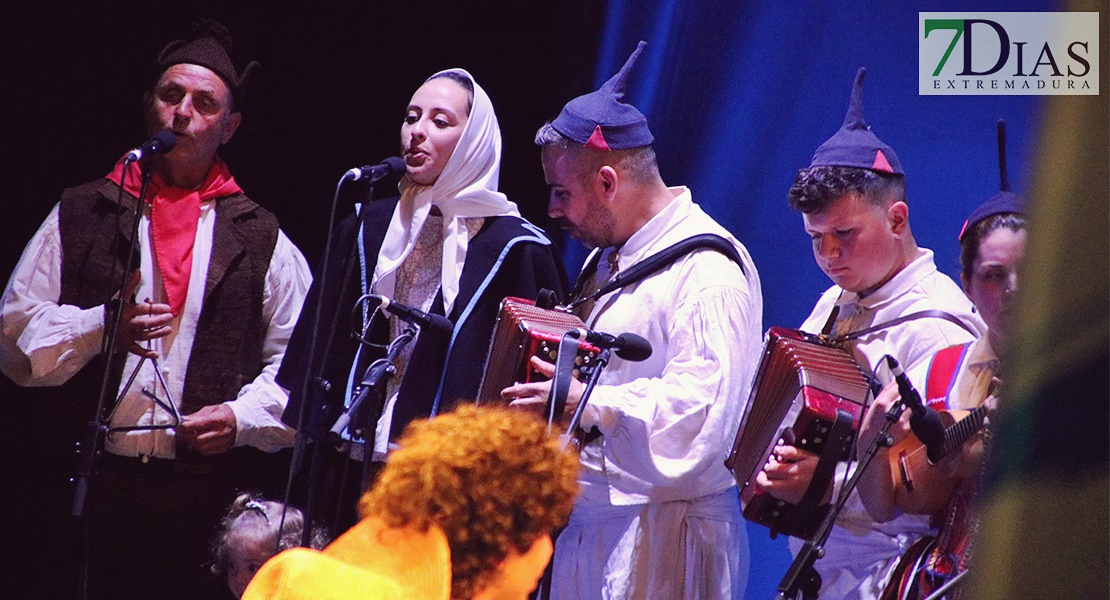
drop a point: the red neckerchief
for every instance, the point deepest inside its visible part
(174, 214)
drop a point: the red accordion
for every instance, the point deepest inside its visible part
(803, 384)
(524, 330)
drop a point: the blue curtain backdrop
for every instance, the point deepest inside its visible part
(739, 94)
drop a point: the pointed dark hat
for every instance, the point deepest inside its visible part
(1005, 201)
(599, 120)
(210, 47)
(854, 145)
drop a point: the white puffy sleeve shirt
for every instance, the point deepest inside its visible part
(860, 552)
(43, 343)
(669, 421)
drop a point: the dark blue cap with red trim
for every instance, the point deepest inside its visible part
(1005, 201)
(854, 145)
(601, 121)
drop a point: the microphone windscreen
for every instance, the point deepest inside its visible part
(165, 139)
(396, 164)
(633, 347)
(929, 429)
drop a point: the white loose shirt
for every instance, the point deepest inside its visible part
(860, 553)
(668, 424)
(43, 343)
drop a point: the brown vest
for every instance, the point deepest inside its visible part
(227, 349)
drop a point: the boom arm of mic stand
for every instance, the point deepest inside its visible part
(801, 575)
(373, 386)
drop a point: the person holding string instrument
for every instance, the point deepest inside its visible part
(963, 383)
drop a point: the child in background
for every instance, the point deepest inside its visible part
(249, 536)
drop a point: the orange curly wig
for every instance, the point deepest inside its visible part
(492, 478)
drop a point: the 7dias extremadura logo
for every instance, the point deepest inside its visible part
(1012, 53)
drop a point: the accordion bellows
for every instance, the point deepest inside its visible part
(524, 330)
(800, 385)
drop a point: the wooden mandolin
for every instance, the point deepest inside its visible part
(923, 486)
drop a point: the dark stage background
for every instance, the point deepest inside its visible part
(335, 79)
(738, 94)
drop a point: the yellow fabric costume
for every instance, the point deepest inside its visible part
(370, 560)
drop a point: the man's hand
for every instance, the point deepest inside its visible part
(787, 474)
(876, 484)
(141, 321)
(994, 390)
(968, 459)
(875, 416)
(210, 430)
(533, 396)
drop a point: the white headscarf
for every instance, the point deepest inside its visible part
(466, 188)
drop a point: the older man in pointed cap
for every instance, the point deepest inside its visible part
(201, 314)
(659, 515)
(887, 299)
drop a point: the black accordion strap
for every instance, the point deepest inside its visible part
(560, 384)
(829, 324)
(640, 270)
(665, 257)
(837, 443)
(924, 314)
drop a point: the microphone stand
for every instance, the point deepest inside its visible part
(802, 576)
(372, 391)
(543, 590)
(591, 382)
(89, 447)
(315, 381)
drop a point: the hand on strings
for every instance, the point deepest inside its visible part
(991, 401)
(968, 460)
(210, 430)
(787, 474)
(141, 321)
(533, 396)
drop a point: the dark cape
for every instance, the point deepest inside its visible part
(508, 257)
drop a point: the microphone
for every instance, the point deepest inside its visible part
(438, 323)
(924, 420)
(160, 143)
(628, 346)
(389, 166)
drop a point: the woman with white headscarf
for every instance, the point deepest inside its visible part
(450, 244)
